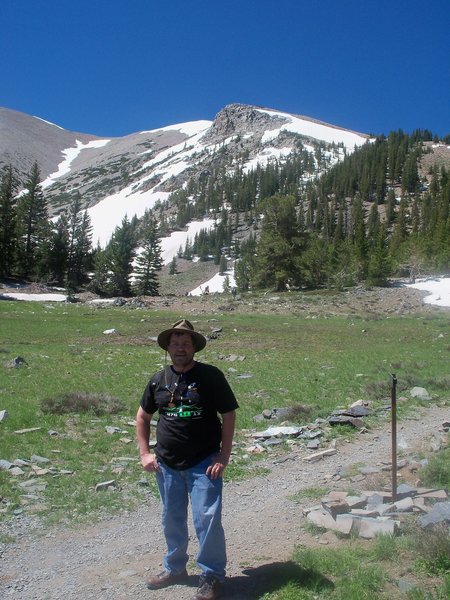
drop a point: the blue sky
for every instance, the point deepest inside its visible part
(113, 67)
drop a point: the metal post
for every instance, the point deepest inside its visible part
(394, 436)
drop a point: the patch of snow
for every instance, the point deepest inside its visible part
(170, 245)
(101, 301)
(190, 128)
(180, 151)
(439, 290)
(265, 157)
(49, 123)
(215, 284)
(70, 155)
(319, 131)
(34, 297)
(108, 214)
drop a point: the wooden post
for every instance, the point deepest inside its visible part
(394, 436)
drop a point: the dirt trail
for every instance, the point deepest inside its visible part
(109, 559)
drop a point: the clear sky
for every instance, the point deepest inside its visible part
(113, 67)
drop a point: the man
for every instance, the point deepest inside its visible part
(193, 447)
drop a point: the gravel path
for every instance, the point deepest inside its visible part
(109, 559)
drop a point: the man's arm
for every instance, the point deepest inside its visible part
(148, 460)
(221, 460)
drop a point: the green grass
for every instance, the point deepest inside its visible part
(437, 471)
(357, 569)
(319, 363)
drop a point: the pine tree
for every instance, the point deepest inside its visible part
(379, 267)
(373, 222)
(8, 189)
(400, 232)
(43, 254)
(100, 282)
(149, 262)
(410, 173)
(316, 261)
(390, 207)
(173, 266)
(339, 228)
(31, 223)
(359, 235)
(79, 235)
(59, 251)
(121, 251)
(442, 232)
(223, 265)
(244, 266)
(279, 245)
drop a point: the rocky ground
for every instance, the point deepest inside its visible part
(376, 302)
(109, 559)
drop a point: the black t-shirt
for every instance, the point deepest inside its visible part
(189, 428)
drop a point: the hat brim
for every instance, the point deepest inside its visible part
(198, 339)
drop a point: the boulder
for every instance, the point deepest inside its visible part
(420, 393)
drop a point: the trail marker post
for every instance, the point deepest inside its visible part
(394, 436)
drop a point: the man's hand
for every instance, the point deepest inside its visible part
(149, 462)
(217, 466)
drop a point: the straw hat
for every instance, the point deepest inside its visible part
(182, 326)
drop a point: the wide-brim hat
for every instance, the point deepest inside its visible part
(182, 326)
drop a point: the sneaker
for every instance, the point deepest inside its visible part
(209, 588)
(165, 579)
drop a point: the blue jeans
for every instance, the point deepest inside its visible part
(175, 488)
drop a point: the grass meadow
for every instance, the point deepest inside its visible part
(78, 380)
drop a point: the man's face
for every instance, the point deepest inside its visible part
(181, 349)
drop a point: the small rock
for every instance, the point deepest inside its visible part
(368, 470)
(405, 586)
(370, 528)
(16, 471)
(405, 505)
(255, 449)
(405, 490)
(29, 430)
(440, 513)
(313, 444)
(327, 538)
(16, 362)
(319, 455)
(109, 429)
(345, 420)
(33, 485)
(420, 393)
(39, 459)
(105, 485)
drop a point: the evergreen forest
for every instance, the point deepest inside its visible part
(299, 223)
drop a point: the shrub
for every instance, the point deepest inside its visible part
(437, 472)
(432, 548)
(82, 402)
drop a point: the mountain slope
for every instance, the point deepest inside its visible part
(25, 140)
(127, 175)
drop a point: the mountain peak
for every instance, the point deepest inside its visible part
(130, 174)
